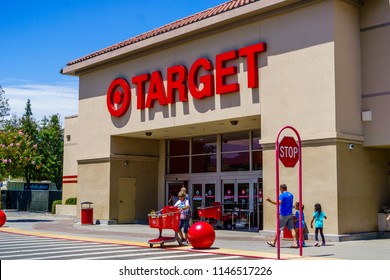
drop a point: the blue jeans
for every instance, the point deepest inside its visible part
(184, 224)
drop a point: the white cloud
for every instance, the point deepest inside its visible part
(46, 99)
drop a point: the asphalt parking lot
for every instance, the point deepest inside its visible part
(236, 242)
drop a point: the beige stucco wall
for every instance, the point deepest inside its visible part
(375, 46)
(299, 73)
(142, 164)
(94, 186)
(344, 181)
(145, 173)
(347, 70)
(99, 178)
(298, 89)
(351, 185)
(71, 154)
(93, 124)
(363, 187)
(319, 183)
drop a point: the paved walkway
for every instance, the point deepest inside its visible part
(226, 242)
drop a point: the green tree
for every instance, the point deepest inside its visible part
(29, 126)
(28, 123)
(4, 107)
(31, 150)
(51, 149)
(18, 154)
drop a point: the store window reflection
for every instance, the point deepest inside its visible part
(235, 151)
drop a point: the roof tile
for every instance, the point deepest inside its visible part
(227, 6)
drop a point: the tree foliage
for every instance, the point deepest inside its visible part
(32, 150)
(51, 148)
(29, 127)
(4, 107)
(18, 153)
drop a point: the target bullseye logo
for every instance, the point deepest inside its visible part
(118, 97)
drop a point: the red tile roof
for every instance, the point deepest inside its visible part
(227, 6)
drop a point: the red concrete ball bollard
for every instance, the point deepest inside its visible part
(201, 235)
(3, 218)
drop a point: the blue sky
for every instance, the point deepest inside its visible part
(38, 38)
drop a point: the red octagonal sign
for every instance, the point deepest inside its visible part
(288, 151)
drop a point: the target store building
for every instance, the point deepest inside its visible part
(199, 103)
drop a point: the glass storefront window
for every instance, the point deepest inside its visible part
(204, 163)
(228, 196)
(243, 196)
(235, 151)
(178, 147)
(210, 194)
(257, 160)
(257, 151)
(204, 154)
(178, 165)
(256, 140)
(235, 142)
(238, 150)
(178, 159)
(204, 145)
(196, 199)
(235, 161)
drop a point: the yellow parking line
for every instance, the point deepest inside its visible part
(71, 237)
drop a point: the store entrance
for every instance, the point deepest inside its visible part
(202, 193)
(242, 199)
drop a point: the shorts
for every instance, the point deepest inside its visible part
(184, 224)
(286, 221)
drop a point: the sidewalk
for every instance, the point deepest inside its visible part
(228, 242)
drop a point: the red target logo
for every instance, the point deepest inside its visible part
(118, 97)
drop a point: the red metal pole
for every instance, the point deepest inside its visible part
(277, 198)
(300, 194)
(299, 189)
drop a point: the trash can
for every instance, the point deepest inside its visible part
(86, 213)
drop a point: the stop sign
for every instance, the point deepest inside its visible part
(288, 151)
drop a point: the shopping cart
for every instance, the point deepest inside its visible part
(214, 212)
(169, 218)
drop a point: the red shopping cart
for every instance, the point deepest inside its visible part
(215, 212)
(169, 218)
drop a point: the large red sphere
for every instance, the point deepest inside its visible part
(3, 218)
(201, 235)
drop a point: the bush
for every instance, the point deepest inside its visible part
(53, 207)
(71, 201)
